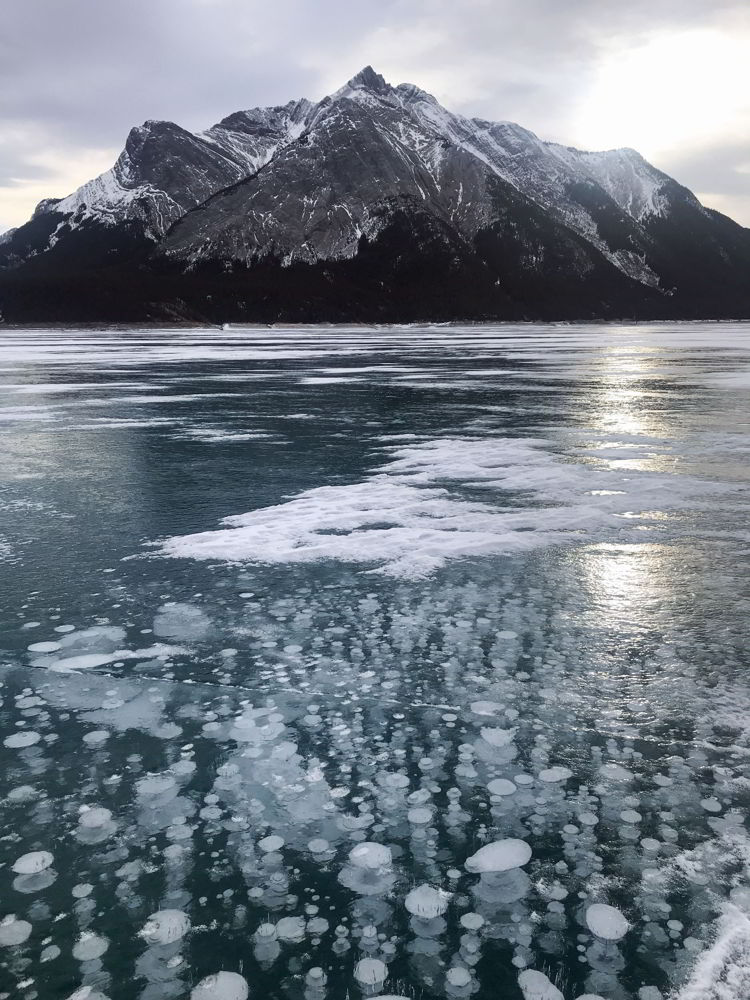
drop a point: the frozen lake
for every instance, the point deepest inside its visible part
(358, 662)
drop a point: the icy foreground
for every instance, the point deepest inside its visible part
(458, 706)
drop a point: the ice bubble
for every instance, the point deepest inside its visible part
(370, 972)
(501, 786)
(555, 774)
(94, 818)
(21, 740)
(154, 785)
(630, 816)
(427, 902)
(165, 927)
(291, 928)
(318, 845)
(606, 922)
(497, 737)
(370, 855)
(181, 621)
(588, 819)
(88, 993)
(96, 737)
(22, 793)
(536, 986)
(270, 844)
(419, 816)
(615, 772)
(221, 986)
(485, 707)
(265, 933)
(13, 931)
(472, 921)
(89, 946)
(458, 976)
(43, 647)
(711, 805)
(32, 863)
(97, 639)
(396, 780)
(499, 856)
(183, 767)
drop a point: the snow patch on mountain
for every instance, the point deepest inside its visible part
(628, 179)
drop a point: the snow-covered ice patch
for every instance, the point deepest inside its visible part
(722, 971)
(405, 520)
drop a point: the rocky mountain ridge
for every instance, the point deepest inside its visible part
(376, 203)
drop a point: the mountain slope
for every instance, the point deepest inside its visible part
(374, 204)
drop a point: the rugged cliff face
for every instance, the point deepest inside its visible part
(374, 204)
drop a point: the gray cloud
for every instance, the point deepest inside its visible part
(724, 167)
(75, 76)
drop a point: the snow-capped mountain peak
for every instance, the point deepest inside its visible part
(368, 79)
(375, 166)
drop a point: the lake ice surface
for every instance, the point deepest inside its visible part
(391, 662)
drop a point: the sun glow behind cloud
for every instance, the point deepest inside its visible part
(55, 174)
(673, 89)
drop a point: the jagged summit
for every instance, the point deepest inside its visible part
(368, 79)
(366, 82)
(375, 203)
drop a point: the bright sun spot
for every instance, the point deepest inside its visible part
(691, 87)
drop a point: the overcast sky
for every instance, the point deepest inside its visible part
(669, 77)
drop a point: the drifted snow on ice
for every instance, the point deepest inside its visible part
(408, 523)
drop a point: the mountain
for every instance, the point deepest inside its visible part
(375, 204)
